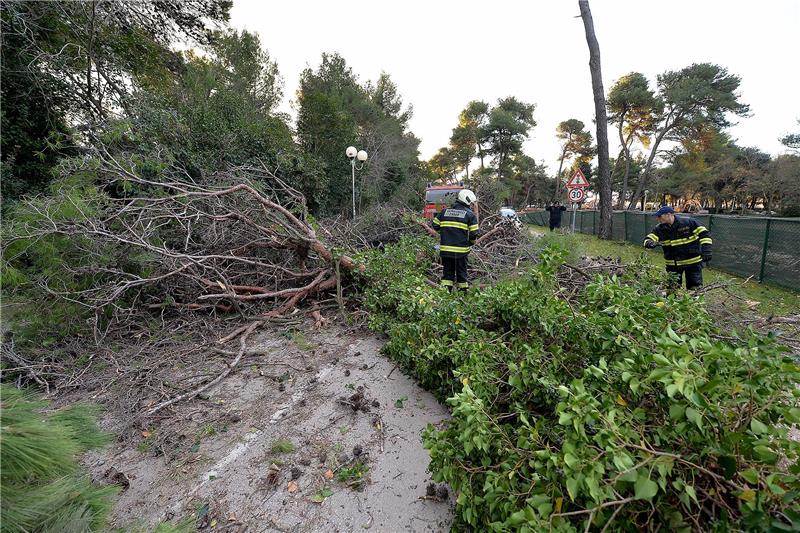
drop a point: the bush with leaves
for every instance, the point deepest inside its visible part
(43, 488)
(614, 410)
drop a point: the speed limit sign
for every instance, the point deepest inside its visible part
(577, 195)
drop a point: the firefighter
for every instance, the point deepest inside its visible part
(458, 229)
(686, 245)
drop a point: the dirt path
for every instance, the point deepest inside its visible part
(253, 454)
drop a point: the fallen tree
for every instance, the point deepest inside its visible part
(137, 244)
(242, 236)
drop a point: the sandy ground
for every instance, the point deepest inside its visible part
(218, 458)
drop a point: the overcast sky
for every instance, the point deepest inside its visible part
(442, 54)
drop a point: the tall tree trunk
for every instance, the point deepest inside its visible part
(558, 175)
(601, 121)
(527, 196)
(643, 181)
(626, 150)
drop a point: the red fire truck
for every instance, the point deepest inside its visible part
(439, 197)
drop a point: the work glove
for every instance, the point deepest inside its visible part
(706, 258)
(649, 244)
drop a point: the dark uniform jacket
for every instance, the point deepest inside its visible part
(555, 212)
(458, 228)
(685, 242)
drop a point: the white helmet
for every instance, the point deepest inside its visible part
(466, 196)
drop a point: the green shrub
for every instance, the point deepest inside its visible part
(619, 403)
(43, 488)
(279, 446)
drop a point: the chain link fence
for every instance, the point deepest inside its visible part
(768, 249)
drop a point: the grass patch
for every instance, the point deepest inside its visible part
(319, 497)
(299, 340)
(282, 446)
(206, 431)
(354, 476)
(771, 300)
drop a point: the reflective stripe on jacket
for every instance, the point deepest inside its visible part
(458, 229)
(684, 242)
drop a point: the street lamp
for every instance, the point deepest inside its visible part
(354, 155)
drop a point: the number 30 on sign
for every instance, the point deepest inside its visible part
(577, 195)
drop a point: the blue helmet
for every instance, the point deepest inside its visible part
(664, 210)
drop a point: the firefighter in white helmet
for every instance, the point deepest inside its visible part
(458, 228)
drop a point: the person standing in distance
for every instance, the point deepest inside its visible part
(686, 245)
(458, 228)
(555, 210)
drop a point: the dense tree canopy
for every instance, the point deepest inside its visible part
(792, 140)
(70, 64)
(335, 112)
(77, 72)
(495, 133)
(702, 94)
(633, 107)
(508, 126)
(722, 176)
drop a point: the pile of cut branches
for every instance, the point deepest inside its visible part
(602, 405)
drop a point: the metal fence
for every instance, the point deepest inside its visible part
(766, 248)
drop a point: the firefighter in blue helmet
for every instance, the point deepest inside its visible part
(686, 245)
(458, 229)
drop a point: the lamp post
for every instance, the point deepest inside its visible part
(354, 155)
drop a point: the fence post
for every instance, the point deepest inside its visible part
(764, 251)
(646, 226)
(625, 221)
(594, 218)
